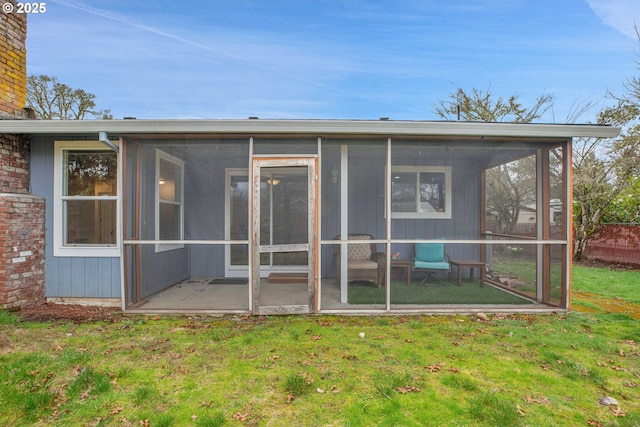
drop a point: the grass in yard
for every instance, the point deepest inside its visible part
(431, 293)
(608, 282)
(514, 370)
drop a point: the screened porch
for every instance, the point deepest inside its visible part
(270, 224)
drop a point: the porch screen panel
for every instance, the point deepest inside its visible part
(556, 222)
(434, 201)
(353, 188)
(214, 203)
(285, 146)
(284, 212)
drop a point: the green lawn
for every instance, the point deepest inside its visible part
(607, 282)
(432, 293)
(513, 370)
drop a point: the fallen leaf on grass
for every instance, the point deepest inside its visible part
(435, 368)
(240, 417)
(630, 384)
(316, 338)
(144, 423)
(117, 410)
(520, 411)
(290, 398)
(542, 400)
(408, 389)
(594, 423)
(617, 411)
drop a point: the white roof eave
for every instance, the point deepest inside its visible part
(313, 127)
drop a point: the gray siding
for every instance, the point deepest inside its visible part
(89, 277)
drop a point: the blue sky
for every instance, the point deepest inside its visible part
(326, 59)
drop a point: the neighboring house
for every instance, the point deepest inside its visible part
(247, 216)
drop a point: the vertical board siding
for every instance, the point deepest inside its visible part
(68, 277)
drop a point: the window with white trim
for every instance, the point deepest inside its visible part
(169, 200)
(421, 192)
(86, 199)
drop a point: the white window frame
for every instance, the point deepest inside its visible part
(59, 220)
(162, 247)
(446, 214)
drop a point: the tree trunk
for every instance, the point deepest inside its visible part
(580, 247)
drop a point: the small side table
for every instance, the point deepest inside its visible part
(471, 264)
(404, 264)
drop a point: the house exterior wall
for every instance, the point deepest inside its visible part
(77, 277)
(21, 214)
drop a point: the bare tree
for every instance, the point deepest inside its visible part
(479, 106)
(51, 99)
(510, 186)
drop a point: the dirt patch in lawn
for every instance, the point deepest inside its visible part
(70, 313)
(608, 305)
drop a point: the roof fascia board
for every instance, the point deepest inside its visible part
(327, 127)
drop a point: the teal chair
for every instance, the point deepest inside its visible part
(430, 258)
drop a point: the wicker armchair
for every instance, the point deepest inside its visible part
(363, 262)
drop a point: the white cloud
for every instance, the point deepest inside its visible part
(619, 14)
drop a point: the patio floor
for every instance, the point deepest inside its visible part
(198, 294)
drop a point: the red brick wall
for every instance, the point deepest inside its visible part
(22, 242)
(21, 250)
(14, 164)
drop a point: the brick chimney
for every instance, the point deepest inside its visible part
(13, 59)
(22, 215)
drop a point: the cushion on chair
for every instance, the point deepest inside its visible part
(430, 252)
(361, 264)
(359, 250)
(443, 265)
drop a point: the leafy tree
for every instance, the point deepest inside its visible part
(51, 99)
(510, 186)
(604, 169)
(626, 208)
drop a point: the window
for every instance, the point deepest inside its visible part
(169, 200)
(421, 192)
(86, 199)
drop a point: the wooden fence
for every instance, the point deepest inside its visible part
(616, 243)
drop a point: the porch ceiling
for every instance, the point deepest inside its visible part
(308, 127)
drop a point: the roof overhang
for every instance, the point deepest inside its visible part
(308, 127)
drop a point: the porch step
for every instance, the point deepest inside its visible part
(287, 278)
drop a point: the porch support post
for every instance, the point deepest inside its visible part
(545, 219)
(253, 300)
(344, 218)
(387, 196)
(567, 218)
(539, 292)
